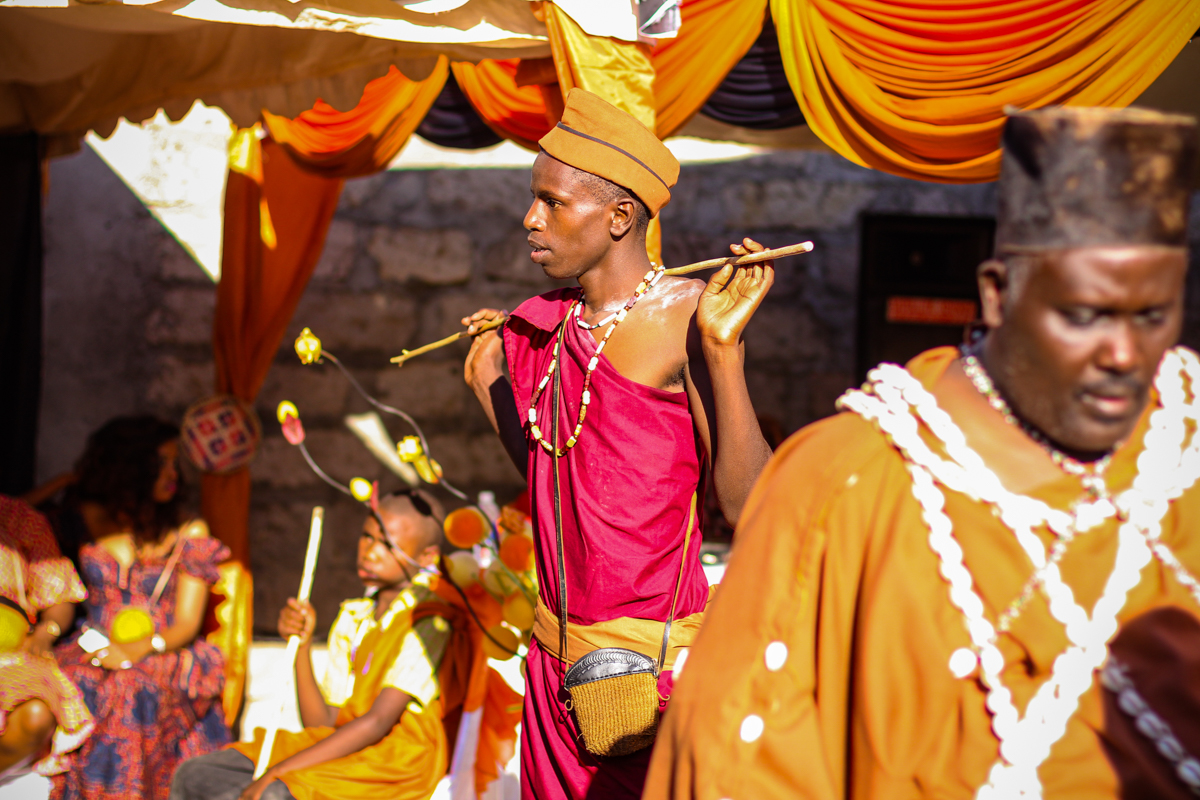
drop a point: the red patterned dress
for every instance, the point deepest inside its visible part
(160, 712)
(34, 575)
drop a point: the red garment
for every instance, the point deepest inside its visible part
(626, 491)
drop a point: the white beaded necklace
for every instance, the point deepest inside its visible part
(1167, 467)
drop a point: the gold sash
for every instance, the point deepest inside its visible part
(640, 635)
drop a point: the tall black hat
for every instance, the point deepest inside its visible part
(1081, 177)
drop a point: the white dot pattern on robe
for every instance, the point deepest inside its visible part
(776, 656)
(680, 660)
(963, 661)
(752, 728)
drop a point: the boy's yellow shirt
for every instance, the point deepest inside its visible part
(365, 657)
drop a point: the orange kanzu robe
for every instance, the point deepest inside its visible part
(832, 562)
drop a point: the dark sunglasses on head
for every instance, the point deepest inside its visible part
(420, 504)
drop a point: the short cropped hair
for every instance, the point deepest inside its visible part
(605, 191)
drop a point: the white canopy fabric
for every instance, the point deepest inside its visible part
(67, 67)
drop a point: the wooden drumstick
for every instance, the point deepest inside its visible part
(293, 648)
(712, 263)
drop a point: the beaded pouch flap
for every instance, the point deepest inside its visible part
(614, 694)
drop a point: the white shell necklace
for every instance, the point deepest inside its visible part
(1168, 465)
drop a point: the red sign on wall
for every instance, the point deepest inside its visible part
(931, 310)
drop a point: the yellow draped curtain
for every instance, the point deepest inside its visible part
(918, 88)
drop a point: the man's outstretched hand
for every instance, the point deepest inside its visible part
(731, 298)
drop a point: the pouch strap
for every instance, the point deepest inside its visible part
(687, 540)
(556, 393)
(555, 398)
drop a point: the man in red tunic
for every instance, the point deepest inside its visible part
(652, 394)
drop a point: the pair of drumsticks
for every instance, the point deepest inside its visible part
(712, 263)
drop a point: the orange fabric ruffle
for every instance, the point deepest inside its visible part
(515, 112)
(918, 88)
(365, 139)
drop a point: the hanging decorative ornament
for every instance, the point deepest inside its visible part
(14, 627)
(308, 347)
(516, 551)
(501, 642)
(518, 612)
(289, 420)
(413, 452)
(466, 527)
(463, 568)
(220, 434)
(361, 489)
(131, 625)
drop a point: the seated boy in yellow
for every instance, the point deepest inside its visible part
(373, 727)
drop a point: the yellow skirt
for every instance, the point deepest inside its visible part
(405, 765)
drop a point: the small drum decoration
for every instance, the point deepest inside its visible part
(220, 434)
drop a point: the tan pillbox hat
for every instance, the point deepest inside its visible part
(597, 137)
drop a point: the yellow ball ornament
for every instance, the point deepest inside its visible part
(463, 568)
(361, 489)
(285, 410)
(505, 645)
(518, 612)
(497, 581)
(131, 625)
(409, 449)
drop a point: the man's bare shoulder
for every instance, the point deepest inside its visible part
(675, 299)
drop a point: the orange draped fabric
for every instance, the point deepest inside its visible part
(364, 140)
(514, 112)
(714, 37)
(467, 679)
(918, 88)
(276, 217)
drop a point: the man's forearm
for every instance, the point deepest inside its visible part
(507, 421)
(740, 451)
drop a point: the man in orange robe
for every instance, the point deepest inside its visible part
(923, 589)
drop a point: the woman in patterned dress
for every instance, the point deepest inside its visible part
(155, 690)
(42, 715)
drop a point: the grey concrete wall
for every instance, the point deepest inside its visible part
(128, 319)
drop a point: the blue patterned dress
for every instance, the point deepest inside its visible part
(163, 710)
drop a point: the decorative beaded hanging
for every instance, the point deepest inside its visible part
(650, 279)
(1090, 475)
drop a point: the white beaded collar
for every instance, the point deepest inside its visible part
(1169, 464)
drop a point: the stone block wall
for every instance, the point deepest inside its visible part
(128, 320)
